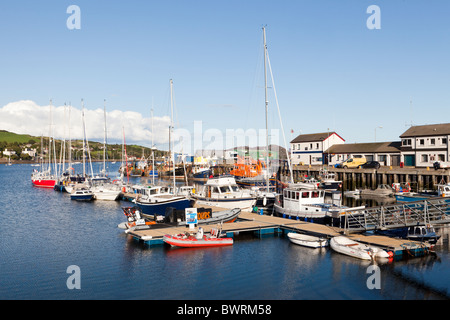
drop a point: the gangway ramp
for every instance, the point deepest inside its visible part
(431, 211)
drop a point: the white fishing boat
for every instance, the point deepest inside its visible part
(383, 190)
(307, 241)
(225, 193)
(328, 181)
(298, 202)
(356, 249)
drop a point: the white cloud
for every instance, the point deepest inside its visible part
(26, 117)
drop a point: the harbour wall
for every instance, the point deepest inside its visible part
(418, 178)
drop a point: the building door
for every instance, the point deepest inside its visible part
(395, 160)
(410, 160)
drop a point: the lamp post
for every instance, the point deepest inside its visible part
(376, 132)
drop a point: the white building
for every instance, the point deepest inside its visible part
(7, 152)
(309, 148)
(423, 145)
(29, 151)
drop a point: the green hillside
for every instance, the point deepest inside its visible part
(16, 142)
(10, 137)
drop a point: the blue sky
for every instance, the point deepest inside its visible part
(331, 72)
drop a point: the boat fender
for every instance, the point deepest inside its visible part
(264, 201)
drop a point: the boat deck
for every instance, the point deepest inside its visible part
(264, 224)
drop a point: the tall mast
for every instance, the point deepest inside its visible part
(153, 154)
(104, 139)
(171, 127)
(70, 140)
(84, 138)
(267, 108)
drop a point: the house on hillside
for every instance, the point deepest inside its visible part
(309, 148)
(8, 152)
(422, 146)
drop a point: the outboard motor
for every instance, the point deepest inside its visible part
(199, 234)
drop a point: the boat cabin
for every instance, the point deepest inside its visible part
(150, 191)
(223, 187)
(296, 198)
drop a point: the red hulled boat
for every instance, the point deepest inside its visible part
(199, 240)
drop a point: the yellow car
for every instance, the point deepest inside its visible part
(353, 163)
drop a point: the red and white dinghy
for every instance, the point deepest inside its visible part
(187, 240)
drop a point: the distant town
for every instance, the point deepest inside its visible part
(419, 146)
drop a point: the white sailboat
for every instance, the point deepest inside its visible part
(102, 186)
(81, 190)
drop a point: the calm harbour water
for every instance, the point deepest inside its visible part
(43, 232)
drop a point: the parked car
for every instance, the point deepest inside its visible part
(353, 163)
(370, 164)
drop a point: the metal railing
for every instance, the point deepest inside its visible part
(431, 211)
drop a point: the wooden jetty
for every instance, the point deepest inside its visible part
(261, 225)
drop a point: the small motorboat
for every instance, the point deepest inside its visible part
(307, 241)
(199, 240)
(355, 249)
(423, 233)
(82, 194)
(134, 219)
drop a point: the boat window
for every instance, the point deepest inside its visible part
(152, 191)
(315, 194)
(224, 189)
(305, 194)
(296, 195)
(417, 230)
(289, 194)
(424, 231)
(235, 188)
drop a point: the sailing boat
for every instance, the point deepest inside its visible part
(263, 184)
(45, 178)
(152, 201)
(102, 186)
(81, 191)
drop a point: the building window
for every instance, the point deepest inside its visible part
(441, 157)
(421, 142)
(424, 158)
(444, 140)
(406, 142)
(433, 141)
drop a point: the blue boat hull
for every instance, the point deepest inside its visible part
(160, 208)
(404, 198)
(256, 182)
(202, 174)
(82, 197)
